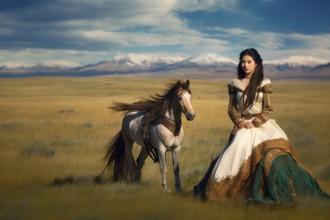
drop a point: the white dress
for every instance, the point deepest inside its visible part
(242, 144)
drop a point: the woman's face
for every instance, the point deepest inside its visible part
(248, 65)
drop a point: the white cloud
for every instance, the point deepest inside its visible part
(206, 5)
(30, 57)
(320, 40)
(266, 40)
(61, 63)
(275, 45)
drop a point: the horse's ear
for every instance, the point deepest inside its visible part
(186, 85)
(178, 84)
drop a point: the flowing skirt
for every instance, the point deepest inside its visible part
(257, 165)
(279, 180)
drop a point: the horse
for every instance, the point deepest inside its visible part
(155, 124)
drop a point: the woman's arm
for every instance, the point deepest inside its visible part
(267, 106)
(233, 113)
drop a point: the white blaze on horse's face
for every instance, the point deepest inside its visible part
(185, 100)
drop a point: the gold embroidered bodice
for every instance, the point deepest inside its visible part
(260, 110)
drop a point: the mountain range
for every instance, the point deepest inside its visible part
(301, 66)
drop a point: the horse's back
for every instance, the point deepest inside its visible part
(159, 134)
(132, 125)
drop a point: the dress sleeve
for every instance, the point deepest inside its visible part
(267, 106)
(233, 112)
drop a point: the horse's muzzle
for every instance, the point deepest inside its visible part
(190, 116)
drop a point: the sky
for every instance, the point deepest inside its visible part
(79, 32)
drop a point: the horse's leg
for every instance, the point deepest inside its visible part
(140, 162)
(162, 164)
(130, 163)
(176, 168)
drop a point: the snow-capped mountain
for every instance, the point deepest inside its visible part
(298, 63)
(142, 63)
(133, 62)
(146, 60)
(208, 59)
(150, 63)
(295, 61)
(203, 59)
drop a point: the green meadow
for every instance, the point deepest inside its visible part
(53, 127)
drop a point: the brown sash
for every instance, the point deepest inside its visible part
(170, 125)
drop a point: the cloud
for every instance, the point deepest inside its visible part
(108, 26)
(318, 41)
(29, 57)
(85, 31)
(71, 24)
(277, 44)
(206, 5)
(266, 40)
(61, 63)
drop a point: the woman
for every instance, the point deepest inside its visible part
(257, 164)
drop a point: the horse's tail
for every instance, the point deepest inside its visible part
(115, 155)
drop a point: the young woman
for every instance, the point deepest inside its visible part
(258, 164)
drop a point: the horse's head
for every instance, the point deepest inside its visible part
(183, 93)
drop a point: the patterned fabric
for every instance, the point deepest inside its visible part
(279, 180)
(237, 187)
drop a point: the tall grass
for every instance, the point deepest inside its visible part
(56, 127)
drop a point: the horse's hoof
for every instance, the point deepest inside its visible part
(98, 179)
(167, 190)
(179, 190)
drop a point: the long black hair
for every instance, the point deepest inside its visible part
(256, 78)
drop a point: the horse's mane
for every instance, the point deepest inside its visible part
(155, 104)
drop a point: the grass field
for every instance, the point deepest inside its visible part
(56, 127)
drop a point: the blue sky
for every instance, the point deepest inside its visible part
(71, 32)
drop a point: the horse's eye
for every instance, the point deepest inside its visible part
(180, 98)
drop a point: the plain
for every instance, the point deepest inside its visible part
(56, 127)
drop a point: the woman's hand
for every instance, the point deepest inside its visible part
(246, 124)
(249, 124)
(241, 124)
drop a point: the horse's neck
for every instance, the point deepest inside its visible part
(173, 113)
(170, 115)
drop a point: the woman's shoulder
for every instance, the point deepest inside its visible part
(234, 82)
(266, 85)
(233, 86)
(265, 81)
